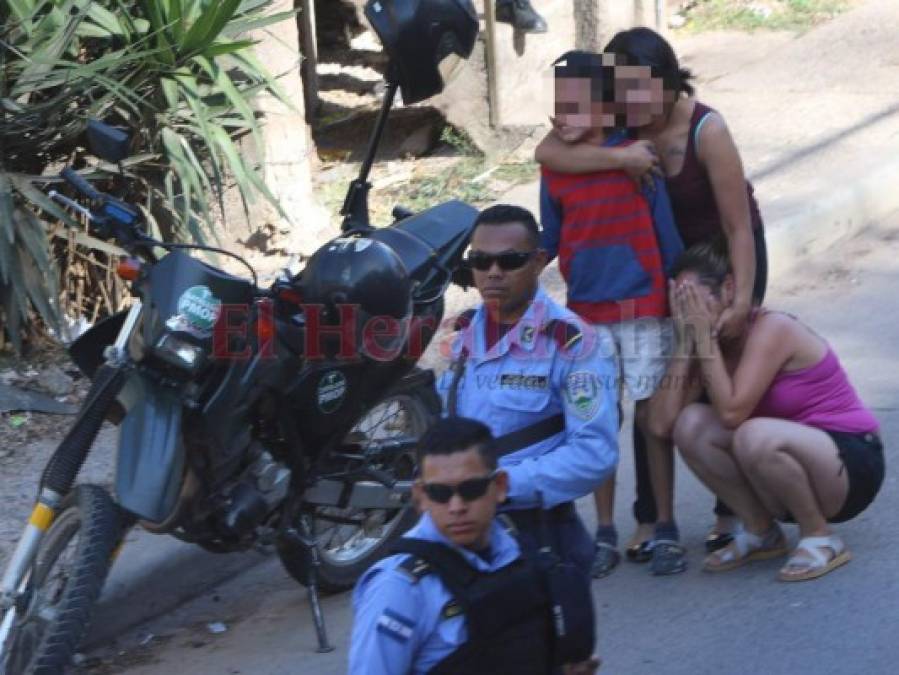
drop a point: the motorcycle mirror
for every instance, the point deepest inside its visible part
(107, 142)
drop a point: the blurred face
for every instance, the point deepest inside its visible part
(464, 518)
(716, 300)
(639, 96)
(513, 263)
(576, 114)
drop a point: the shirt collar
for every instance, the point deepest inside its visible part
(504, 548)
(523, 335)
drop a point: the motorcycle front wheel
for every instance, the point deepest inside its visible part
(351, 540)
(52, 616)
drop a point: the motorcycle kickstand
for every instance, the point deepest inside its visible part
(318, 617)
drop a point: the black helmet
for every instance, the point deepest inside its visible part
(419, 36)
(370, 281)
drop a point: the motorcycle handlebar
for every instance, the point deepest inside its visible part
(80, 184)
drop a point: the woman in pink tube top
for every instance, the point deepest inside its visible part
(769, 422)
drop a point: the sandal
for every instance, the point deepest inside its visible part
(668, 557)
(747, 547)
(721, 533)
(640, 553)
(810, 561)
(715, 541)
(639, 548)
(605, 560)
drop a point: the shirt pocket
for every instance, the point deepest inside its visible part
(606, 273)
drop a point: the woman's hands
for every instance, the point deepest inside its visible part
(694, 320)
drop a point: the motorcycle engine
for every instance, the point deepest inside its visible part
(259, 490)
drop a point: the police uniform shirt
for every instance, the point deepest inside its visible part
(532, 374)
(407, 623)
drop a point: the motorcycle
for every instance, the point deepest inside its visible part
(249, 417)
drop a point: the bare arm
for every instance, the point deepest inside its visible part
(770, 345)
(637, 158)
(682, 383)
(719, 156)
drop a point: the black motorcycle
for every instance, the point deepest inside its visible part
(285, 416)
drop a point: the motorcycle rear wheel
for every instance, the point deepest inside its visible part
(347, 550)
(65, 581)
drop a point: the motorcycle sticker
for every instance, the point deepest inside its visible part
(354, 244)
(331, 391)
(198, 310)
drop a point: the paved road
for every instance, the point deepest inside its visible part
(744, 622)
(813, 116)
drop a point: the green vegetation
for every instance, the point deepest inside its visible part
(749, 15)
(180, 75)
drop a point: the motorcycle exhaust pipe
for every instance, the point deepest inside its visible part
(365, 494)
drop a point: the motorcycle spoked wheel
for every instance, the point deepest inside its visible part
(346, 548)
(65, 581)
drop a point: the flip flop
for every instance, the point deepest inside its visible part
(715, 541)
(640, 553)
(808, 557)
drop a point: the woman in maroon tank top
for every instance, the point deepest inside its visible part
(712, 201)
(782, 436)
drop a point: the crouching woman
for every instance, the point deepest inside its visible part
(782, 436)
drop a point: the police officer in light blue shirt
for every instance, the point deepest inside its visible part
(540, 379)
(462, 599)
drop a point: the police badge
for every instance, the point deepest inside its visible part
(582, 394)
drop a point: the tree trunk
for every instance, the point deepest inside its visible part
(289, 150)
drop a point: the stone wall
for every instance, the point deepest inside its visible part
(524, 88)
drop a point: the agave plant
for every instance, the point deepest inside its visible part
(180, 75)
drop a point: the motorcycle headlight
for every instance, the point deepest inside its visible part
(180, 353)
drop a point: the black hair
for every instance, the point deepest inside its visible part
(450, 435)
(577, 63)
(503, 214)
(644, 47)
(708, 260)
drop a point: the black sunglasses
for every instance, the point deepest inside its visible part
(469, 490)
(511, 260)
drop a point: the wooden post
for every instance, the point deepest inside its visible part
(490, 60)
(309, 50)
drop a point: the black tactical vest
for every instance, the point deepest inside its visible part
(507, 612)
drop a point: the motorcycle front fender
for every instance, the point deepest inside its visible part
(151, 459)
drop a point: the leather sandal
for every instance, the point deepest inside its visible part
(747, 547)
(814, 557)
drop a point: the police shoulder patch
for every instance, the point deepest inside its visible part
(395, 626)
(564, 333)
(582, 394)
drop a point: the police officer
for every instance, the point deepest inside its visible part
(461, 599)
(542, 382)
